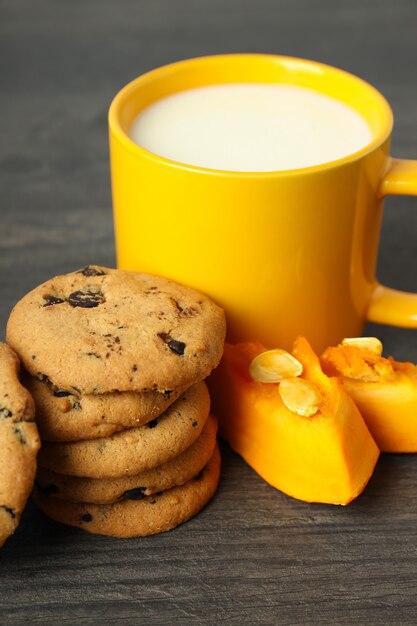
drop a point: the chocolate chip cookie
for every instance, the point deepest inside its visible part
(136, 449)
(100, 330)
(19, 443)
(62, 415)
(137, 518)
(176, 472)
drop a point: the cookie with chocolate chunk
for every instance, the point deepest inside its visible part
(137, 518)
(63, 415)
(101, 330)
(176, 472)
(136, 449)
(19, 443)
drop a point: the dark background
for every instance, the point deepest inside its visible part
(253, 556)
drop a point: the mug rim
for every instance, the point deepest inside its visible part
(125, 92)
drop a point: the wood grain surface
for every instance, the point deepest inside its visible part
(253, 556)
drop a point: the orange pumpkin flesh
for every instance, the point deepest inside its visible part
(328, 457)
(384, 390)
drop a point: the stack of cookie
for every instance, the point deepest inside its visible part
(115, 362)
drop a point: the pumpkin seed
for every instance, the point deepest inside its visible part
(273, 366)
(300, 396)
(367, 343)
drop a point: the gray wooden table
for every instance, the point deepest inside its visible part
(253, 556)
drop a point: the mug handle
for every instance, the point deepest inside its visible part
(391, 306)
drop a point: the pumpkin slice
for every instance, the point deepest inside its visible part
(319, 450)
(384, 390)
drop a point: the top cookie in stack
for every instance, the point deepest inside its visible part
(109, 355)
(102, 330)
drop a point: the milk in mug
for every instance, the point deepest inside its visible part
(250, 127)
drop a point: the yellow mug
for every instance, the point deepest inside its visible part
(285, 253)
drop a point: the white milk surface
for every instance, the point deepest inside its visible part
(250, 127)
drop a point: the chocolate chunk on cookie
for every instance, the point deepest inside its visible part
(63, 415)
(19, 443)
(138, 517)
(179, 470)
(136, 449)
(85, 299)
(101, 330)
